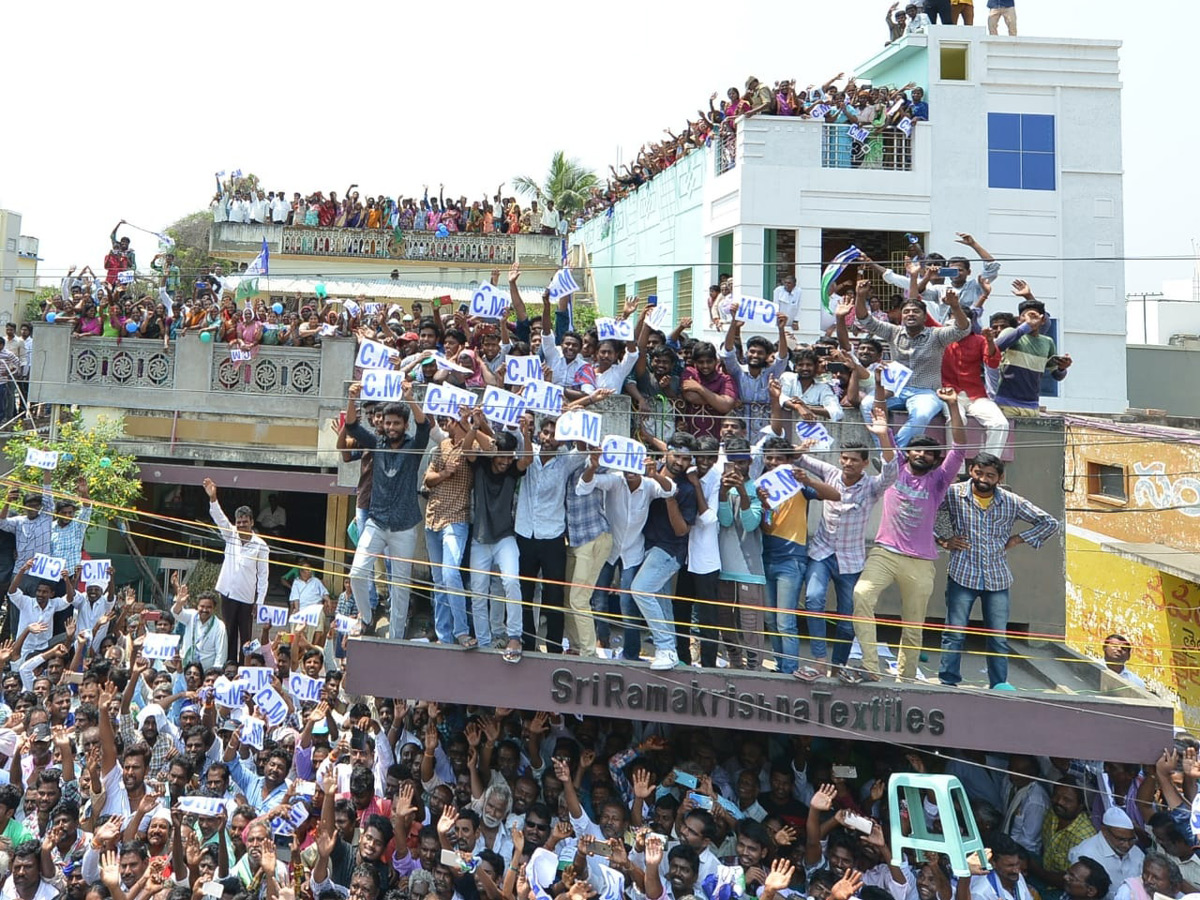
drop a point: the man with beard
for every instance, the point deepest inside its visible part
(394, 516)
(150, 725)
(614, 818)
(751, 379)
(668, 522)
(266, 791)
(124, 786)
(1115, 848)
(525, 794)
(904, 550)
(1004, 882)
(1067, 825)
(978, 516)
(69, 842)
(493, 808)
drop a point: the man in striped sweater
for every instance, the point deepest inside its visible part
(1026, 355)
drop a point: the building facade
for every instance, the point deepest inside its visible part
(1133, 550)
(1022, 151)
(18, 268)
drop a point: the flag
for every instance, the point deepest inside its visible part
(829, 277)
(724, 883)
(165, 240)
(1196, 818)
(261, 263)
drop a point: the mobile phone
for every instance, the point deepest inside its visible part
(685, 780)
(452, 860)
(822, 349)
(845, 772)
(948, 272)
(213, 889)
(601, 848)
(701, 801)
(73, 678)
(652, 300)
(858, 823)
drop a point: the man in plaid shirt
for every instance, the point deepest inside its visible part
(975, 523)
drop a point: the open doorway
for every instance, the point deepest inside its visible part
(888, 248)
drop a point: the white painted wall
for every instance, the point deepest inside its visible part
(1050, 238)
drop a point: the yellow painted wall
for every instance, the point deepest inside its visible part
(1162, 486)
(1159, 613)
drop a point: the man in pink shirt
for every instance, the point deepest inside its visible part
(904, 548)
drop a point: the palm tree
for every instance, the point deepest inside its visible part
(567, 183)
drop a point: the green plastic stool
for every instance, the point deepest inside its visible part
(956, 842)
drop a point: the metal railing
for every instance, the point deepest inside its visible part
(725, 147)
(278, 371)
(458, 248)
(362, 243)
(852, 147)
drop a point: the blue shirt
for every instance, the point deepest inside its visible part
(394, 504)
(659, 532)
(920, 111)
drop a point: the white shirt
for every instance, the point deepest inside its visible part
(243, 576)
(1131, 677)
(307, 593)
(258, 208)
(704, 554)
(819, 394)
(87, 614)
(272, 518)
(550, 218)
(207, 642)
(988, 887)
(788, 303)
(614, 376)
(626, 512)
(280, 209)
(562, 372)
(918, 23)
(45, 891)
(1119, 868)
(1025, 814)
(30, 612)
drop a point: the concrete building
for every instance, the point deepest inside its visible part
(18, 267)
(1023, 151)
(1133, 549)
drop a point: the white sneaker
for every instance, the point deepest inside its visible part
(663, 660)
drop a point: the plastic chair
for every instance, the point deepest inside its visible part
(959, 836)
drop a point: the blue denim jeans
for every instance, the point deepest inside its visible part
(784, 563)
(959, 601)
(360, 516)
(820, 573)
(487, 559)
(606, 622)
(654, 578)
(446, 548)
(922, 405)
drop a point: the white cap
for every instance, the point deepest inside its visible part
(1115, 817)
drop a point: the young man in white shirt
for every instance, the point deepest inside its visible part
(41, 607)
(242, 581)
(1004, 882)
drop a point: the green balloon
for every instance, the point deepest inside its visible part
(105, 462)
(206, 336)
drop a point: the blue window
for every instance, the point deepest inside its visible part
(1021, 152)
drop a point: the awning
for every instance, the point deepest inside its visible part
(1180, 563)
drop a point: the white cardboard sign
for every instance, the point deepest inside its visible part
(623, 454)
(578, 425)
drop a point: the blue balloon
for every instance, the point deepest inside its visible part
(67, 457)
(105, 462)
(131, 327)
(278, 308)
(51, 316)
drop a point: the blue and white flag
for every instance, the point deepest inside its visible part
(1196, 818)
(723, 885)
(260, 263)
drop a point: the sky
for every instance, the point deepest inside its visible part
(127, 111)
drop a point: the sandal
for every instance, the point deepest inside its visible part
(856, 676)
(807, 674)
(466, 642)
(511, 655)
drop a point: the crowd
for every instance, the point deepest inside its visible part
(879, 110)
(916, 17)
(487, 215)
(154, 755)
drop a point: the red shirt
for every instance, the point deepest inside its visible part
(962, 366)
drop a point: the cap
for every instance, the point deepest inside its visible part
(408, 317)
(1115, 817)
(228, 725)
(409, 336)
(41, 732)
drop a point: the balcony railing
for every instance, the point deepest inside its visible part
(459, 248)
(132, 363)
(850, 147)
(191, 376)
(278, 371)
(360, 243)
(724, 149)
